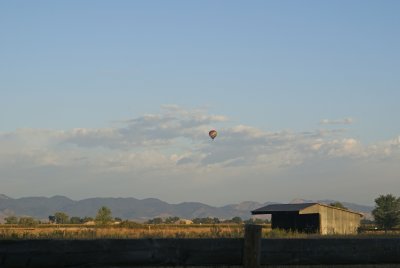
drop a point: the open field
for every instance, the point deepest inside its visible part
(139, 231)
(74, 231)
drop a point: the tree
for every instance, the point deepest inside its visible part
(11, 220)
(103, 216)
(52, 219)
(75, 220)
(171, 220)
(338, 205)
(237, 220)
(27, 221)
(387, 211)
(61, 218)
(207, 220)
(157, 220)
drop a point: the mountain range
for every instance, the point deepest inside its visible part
(136, 209)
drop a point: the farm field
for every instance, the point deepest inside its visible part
(69, 231)
(75, 231)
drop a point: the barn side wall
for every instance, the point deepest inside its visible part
(336, 221)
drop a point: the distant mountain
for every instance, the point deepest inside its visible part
(130, 208)
(3, 196)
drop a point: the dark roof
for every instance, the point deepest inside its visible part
(282, 208)
(275, 208)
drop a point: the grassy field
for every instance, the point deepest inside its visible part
(139, 231)
(73, 231)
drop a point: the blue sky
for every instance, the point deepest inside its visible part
(78, 78)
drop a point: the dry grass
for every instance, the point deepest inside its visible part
(157, 231)
(143, 231)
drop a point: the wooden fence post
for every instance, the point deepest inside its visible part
(252, 246)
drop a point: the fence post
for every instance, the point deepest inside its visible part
(252, 246)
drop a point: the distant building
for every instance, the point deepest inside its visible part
(312, 218)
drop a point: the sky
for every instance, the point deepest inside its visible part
(116, 98)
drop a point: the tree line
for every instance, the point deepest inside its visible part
(386, 216)
(103, 217)
(206, 220)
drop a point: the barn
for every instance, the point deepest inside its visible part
(312, 218)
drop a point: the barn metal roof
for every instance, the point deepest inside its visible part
(282, 208)
(292, 208)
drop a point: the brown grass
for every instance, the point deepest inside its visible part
(70, 231)
(143, 231)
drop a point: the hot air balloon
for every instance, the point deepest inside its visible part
(213, 133)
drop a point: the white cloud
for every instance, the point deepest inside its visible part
(344, 121)
(150, 153)
(149, 130)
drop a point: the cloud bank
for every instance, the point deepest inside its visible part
(169, 155)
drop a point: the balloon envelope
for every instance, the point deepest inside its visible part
(212, 134)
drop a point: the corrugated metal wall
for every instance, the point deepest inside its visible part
(335, 221)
